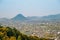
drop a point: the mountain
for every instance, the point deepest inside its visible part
(33, 19)
(19, 17)
(4, 20)
(51, 17)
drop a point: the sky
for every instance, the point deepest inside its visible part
(10, 8)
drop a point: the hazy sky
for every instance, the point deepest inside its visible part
(10, 8)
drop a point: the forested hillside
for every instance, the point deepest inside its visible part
(7, 33)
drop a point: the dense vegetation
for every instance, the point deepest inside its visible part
(7, 33)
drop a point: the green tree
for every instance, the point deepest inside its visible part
(19, 38)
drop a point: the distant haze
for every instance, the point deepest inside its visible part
(10, 8)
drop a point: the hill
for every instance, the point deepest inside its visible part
(22, 18)
(52, 17)
(46, 18)
(19, 17)
(7, 33)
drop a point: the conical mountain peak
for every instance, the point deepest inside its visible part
(19, 17)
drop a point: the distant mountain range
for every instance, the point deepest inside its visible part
(48, 18)
(21, 17)
(52, 17)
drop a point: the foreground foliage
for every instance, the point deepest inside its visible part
(7, 33)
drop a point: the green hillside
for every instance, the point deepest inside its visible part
(7, 33)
